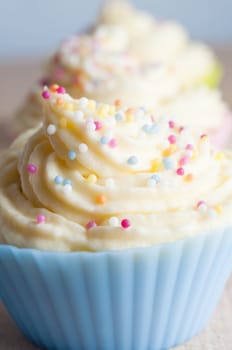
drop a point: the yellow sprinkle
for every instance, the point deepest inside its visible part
(218, 209)
(219, 156)
(69, 106)
(63, 123)
(92, 178)
(169, 151)
(91, 105)
(156, 165)
(102, 111)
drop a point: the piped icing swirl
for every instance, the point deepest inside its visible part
(101, 177)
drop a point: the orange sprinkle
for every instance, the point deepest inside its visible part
(101, 199)
(53, 87)
(59, 101)
(118, 103)
(169, 151)
(189, 177)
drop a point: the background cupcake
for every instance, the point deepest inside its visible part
(158, 67)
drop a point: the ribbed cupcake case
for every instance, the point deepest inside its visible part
(141, 299)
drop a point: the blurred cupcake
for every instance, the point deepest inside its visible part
(100, 66)
(115, 228)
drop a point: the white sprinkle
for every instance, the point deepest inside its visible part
(90, 126)
(114, 221)
(51, 129)
(110, 183)
(83, 102)
(151, 183)
(78, 116)
(67, 188)
(83, 148)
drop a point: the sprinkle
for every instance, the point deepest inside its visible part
(125, 223)
(104, 140)
(67, 182)
(184, 160)
(113, 143)
(61, 90)
(156, 178)
(168, 163)
(171, 124)
(78, 115)
(58, 180)
(98, 125)
(53, 87)
(169, 151)
(40, 219)
(118, 103)
(156, 165)
(90, 126)
(83, 148)
(72, 155)
(180, 171)
(51, 129)
(172, 139)
(132, 160)
(59, 101)
(31, 168)
(92, 179)
(119, 116)
(46, 94)
(189, 147)
(204, 137)
(90, 225)
(146, 128)
(83, 102)
(181, 129)
(67, 188)
(189, 177)
(101, 199)
(110, 183)
(114, 221)
(201, 206)
(219, 156)
(218, 209)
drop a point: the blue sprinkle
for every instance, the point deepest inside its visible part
(67, 182)
(118, 116)
(72, 155)
(104, 140)
(156, 178)
(132, 160)
(146, 128)
(154, 129)
(58, 180)
(168, 163)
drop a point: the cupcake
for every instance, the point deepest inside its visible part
(116, 230)
(101, 66)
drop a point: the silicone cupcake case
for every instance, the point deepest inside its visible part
(146, 298)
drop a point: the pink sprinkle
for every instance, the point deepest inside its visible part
(31, 168)
(181, 129)
(200, 203)
(180, 171)
(172, 139)
(46, 94)
(125, 223)
(98, 125)
(189, 147)
(184, 160)
(61, 90)
(113, 143)
(40, 219)
(90, 225)
(171, 124)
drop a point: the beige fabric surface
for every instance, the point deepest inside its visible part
(16, 77)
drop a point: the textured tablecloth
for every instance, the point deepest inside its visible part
(16, 78)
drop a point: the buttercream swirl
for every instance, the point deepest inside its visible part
(107, 177)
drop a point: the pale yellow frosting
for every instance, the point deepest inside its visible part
(113, 164)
